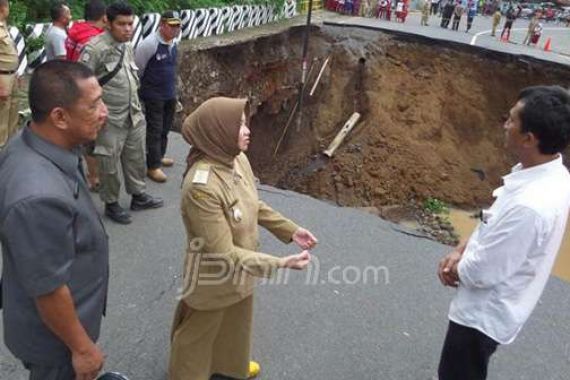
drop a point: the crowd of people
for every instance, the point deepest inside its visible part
(88, 99)
(451, 12)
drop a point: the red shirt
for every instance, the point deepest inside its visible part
(78, 36)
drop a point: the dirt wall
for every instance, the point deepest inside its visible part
(431, 114)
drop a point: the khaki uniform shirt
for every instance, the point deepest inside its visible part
(8, 52)
(426, 8)
(120, 94)
(8, 57)
(496, 18)
(221, 210)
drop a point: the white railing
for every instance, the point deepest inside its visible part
(196, 23)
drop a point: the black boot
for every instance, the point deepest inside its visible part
(143, 201)
(117, 214)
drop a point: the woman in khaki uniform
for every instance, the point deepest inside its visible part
(211, 333)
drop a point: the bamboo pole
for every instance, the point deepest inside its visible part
(291, 116)
(319, 76)
(341, 135)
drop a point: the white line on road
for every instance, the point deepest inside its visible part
(474, 39)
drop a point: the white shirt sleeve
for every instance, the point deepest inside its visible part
(144, 52)
(502, 250)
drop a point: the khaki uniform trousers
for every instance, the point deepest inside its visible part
(494, 29)
(211, 342)
(8, 110)
(124, 145)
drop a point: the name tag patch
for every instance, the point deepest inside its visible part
(201, 176)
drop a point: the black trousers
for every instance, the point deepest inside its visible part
(159, 117)
(433, 8)
(456, 21)
(466, 353)
(39, 372)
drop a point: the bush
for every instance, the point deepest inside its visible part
(436, 206)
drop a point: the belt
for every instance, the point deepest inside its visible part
(7, 72)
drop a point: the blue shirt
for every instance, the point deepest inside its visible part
(157, 67)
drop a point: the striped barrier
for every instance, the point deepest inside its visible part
(137, 32)
(20, 48)
(203, 22)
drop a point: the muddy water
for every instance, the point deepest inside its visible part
(464, 225)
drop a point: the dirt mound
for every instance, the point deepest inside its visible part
(431, 114)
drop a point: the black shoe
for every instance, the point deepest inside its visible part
(144, 201)
(117, 214)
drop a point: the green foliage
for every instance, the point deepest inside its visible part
(33, 11)
(18, 14)
(436, 206)
(34, 44)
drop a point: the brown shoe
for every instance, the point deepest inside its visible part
(156, 175)
(167, 161)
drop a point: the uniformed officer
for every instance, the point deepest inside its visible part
(8, 81)
(425, 12)
(55, 251)
(211, 333)
(110, 55)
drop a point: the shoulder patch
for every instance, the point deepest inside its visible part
(199, 194)
(85, 56)
(201, 176)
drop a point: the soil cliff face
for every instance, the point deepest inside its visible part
(431, 122)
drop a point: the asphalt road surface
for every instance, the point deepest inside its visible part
(479, 35)
(373, 309)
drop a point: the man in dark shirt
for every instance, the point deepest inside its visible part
(54, 246)
(156, 59)
(447, 13)
(511, 17)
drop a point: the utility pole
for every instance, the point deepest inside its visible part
(304, 67)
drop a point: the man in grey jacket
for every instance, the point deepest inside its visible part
(55, 251)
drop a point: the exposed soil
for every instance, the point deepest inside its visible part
(431, 121)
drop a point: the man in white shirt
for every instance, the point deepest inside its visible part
(57, 33)
(501, 271)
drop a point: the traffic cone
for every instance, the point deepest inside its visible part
(547, 44)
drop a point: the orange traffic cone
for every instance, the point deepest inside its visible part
(547, 44)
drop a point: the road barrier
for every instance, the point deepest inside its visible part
(196, 23)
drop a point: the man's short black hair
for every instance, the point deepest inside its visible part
(94, 10)
(119, 9)
(546, 114)
(54, 84)
(57, 11)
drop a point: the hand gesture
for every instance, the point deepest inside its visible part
(87, 364)
(447, 270)
(298, 261)
(304, 238)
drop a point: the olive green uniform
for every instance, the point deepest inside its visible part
(496, 21)
(425, 13)
(8, 67)
(123, 137)
(221, 210)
